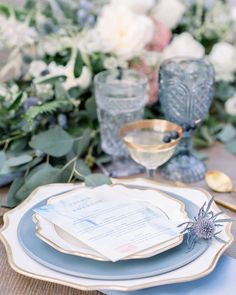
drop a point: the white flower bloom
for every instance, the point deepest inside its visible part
(56, 70)
(223, 56)
(85, 78)
(138, 6)
(36, 68)
(44, 90)
(169, 12)
(123, 32)
(230, 106)
(14, 33)
(3, 90)
(184, 45)
(113, 62)
(89, 42)
(83, 81)
(53, 44)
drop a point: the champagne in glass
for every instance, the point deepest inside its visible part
(145, 141)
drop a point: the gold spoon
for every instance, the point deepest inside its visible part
(219, 182)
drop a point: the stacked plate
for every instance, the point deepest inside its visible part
(39, 249)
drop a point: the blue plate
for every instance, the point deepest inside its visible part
(92, 269)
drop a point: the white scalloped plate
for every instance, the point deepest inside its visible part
(25, 265)
(62, 241)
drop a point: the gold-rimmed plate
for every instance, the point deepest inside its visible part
(66, 243)
(24, 264)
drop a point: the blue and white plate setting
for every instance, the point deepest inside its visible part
(62, 258)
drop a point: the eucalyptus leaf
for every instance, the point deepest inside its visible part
(200, 142)
(15, 186)
(19, 145)
(83, 143)
(4, 168)
(224, 90)
(104, 159)
(3, 158)
(8, 178)
(19, 160)
(43, 176)
(231, 146)
(97, 179)
(78, 64)
(36, 169)
(91, 108)
(206, 135)
(227, 134)
(55, 142)
(64, 174)
(83, 169)
(31, 164)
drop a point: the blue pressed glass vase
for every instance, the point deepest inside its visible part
(186, 91)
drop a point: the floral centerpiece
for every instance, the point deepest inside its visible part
(49, 129)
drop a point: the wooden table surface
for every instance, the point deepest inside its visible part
(12, 283)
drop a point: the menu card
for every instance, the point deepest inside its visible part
(109, 223)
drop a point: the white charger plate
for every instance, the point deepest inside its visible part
(62, 241)
(25, 265)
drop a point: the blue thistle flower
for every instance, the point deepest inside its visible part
(204, 225)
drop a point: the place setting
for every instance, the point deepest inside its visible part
(117, 144)
(121, 234)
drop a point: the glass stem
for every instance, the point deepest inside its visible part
(185, 145)
(151, 173)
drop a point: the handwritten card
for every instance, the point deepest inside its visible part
(115, 227)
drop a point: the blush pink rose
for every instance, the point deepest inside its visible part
(152, 86)
(161, 39)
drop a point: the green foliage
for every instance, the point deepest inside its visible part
(12, 201)
(55, 142)
(97, 179)
(227, 133)
(78, 64)
(46, 108)
(50, 79)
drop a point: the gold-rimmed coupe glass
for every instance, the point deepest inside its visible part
(144, 140)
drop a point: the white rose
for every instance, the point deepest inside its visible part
(223, 56)
(138, 6)
(89, 42)
(230, 106)
(184, 45)
(169, 12)
(123, 32)
(36, 68)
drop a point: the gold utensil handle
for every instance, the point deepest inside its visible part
(226, 205)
